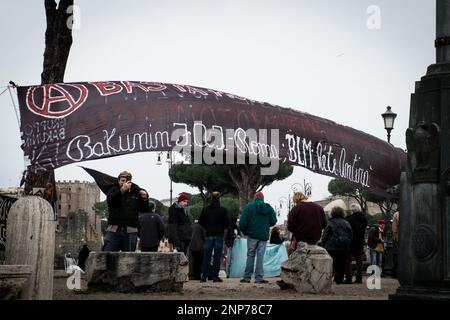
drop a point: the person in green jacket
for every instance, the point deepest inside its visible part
(256, 219)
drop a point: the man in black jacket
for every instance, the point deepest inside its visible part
(125, 201)
(358, 222)
(151, 229)
(215, 220)
(180, 224)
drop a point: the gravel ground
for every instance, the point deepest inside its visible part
(231, 289)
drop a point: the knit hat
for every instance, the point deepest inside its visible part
(183, 197)
(259, 195)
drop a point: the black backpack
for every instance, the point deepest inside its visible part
(340, 236)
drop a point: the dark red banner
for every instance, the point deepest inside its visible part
(71, 122)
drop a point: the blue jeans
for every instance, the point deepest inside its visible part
(120, 240)
(375, 258)
(211, 243)
(258, 248)
(229, 261)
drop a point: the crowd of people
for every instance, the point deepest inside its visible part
(207, 241)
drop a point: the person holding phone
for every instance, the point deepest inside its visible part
(125, 201)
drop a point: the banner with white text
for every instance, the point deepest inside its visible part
(72, 122)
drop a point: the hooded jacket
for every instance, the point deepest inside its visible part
(214, 219)
(256, 219)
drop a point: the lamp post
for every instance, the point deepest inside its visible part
(280, 200)
(388, 119)
(169, 160)
(306, 188)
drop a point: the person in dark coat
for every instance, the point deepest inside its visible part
(275, 236)
(180, 224)
(125, 201)
(151, 229)
(82, 256)
(196, 250)
(358, 222)
(230, 234)
(337, 238)
(214, 218)
(306, 220)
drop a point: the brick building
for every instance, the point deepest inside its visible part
(77, 221)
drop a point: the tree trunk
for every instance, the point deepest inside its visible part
(247, 182)
(241, 186)
(58, 40)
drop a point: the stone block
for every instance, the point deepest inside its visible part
(13, 279)
(136, 271)
(309, 269)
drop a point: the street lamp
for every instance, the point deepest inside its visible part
(281, 199)
(169, 160)
(389, 118)
(158, 162)
(296, 187)
(306, 188)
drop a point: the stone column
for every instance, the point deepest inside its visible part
(30, 240)
(424, 233)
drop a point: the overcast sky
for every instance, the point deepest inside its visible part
(317, 56)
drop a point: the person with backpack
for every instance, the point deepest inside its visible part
(337, 238)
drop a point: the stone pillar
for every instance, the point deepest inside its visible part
(424, 232)
(309, 269)
(136, 271)
(30, 240)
